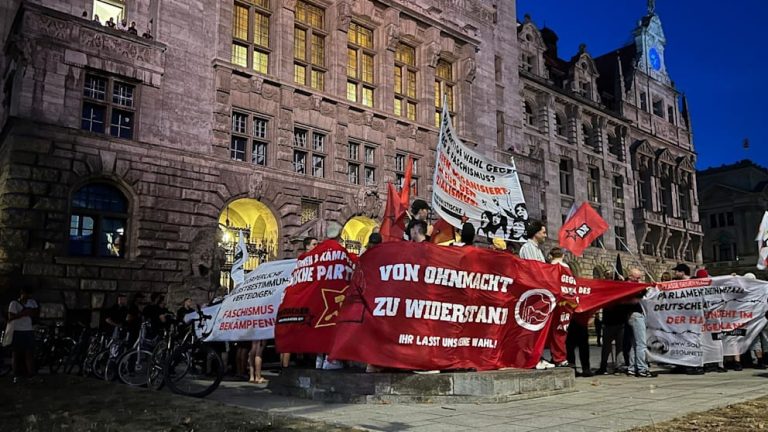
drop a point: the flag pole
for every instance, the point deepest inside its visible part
(615, 270)
(638, 260)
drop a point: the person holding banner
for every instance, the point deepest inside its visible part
(638, 366)
(419, 212)
(255, 362)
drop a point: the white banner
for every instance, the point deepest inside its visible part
(469, 187)
(248, 313)
(697, 321)
(762, 243)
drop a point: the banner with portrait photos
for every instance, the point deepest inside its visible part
(470, 187)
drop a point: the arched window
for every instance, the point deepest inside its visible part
(530, 118)
(99, 222)
(560, 124)
(586, 134)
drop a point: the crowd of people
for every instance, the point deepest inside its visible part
(121, 25)
(620, 328)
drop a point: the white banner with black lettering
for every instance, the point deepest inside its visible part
(470, 187)
(697, 321)
(248, 313)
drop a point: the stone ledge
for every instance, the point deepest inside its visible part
(355, 386)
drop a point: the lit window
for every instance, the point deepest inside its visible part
(405, 82)
(309, 46)
(98, 109)
(250, 35)
(99, 222)
(303, 153)
(360, 64)
(444, 85)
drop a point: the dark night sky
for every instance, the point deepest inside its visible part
(716, 54)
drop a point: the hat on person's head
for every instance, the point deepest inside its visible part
(701, 274)
(374, 239)
(499, 243)
(333, 230)
(683, 268)
(750, 275)
(419, 205)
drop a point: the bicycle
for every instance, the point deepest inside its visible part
(53, 348)
(133, 366)
(193, 368)
(105, 363)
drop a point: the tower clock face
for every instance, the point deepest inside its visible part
(654, 59)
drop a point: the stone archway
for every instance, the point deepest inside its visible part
(356, 231)
(260, 230)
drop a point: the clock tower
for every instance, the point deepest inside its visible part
(650, 42)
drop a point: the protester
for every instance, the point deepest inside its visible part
(96, 19)
(599, 327)
(156, 313)
(255, 361)
(467, 235)
(332, 232)
(132, 29)
(536, 233)
(20, 315)
(666, 276)
(682, 272)
(419, 212)
(418, 231)
(123, 25)
(614, 319)
(111, 22)
(556, 257)
(121, 316)
(638, 366)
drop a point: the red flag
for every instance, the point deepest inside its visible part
(442, 232)
(581, 229)
(405, 193)
(306, 319)
(393, 225)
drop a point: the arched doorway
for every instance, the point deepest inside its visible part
(259, 227)
(356, 231)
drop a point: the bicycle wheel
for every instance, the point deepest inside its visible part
(133, 367)
(99, 364)
(156, 376)
(62, 349)
(194, 370)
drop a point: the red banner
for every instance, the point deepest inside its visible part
(421, 306)
(581, 229)
(306, 319)
(593, 294)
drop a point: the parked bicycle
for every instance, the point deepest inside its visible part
(191, 368)
(104, 365)
(133, 366)
(53, 347)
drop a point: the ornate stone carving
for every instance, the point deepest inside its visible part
(256, 185)
(327, 108)
(470, 69)
(433, 53)
(377, 124)
(53, 27)
(316, 100)
(393, 36)
(257, 84)
(344, 15)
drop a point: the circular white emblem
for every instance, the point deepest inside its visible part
(533, 309)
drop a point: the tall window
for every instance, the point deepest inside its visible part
(361, 163)
(644, 189)
(400, 166)
(109, 106)
(620, 233)
(309, 152)
(566, 177)
(614, 146)
(250, 138)
(405, 82)
(560, 125)
(500, 129)
(309, 46)
(643, 101)
(593, 184)
(617, 191)
(658, 107)
(684, 202)
(360, 65)
(99, 221)
(250, 35)
(526, 61)
(671, 114)
(586, 135)
(444, 86)
(528, 114)
(665, 193)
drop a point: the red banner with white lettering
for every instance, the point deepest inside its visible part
(421, 306)
(307, 317)
(593, 294)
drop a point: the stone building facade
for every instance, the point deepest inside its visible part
(733, 200)
(613, 131)
(130, 163)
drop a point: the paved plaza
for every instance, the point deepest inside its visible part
(606, 403)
